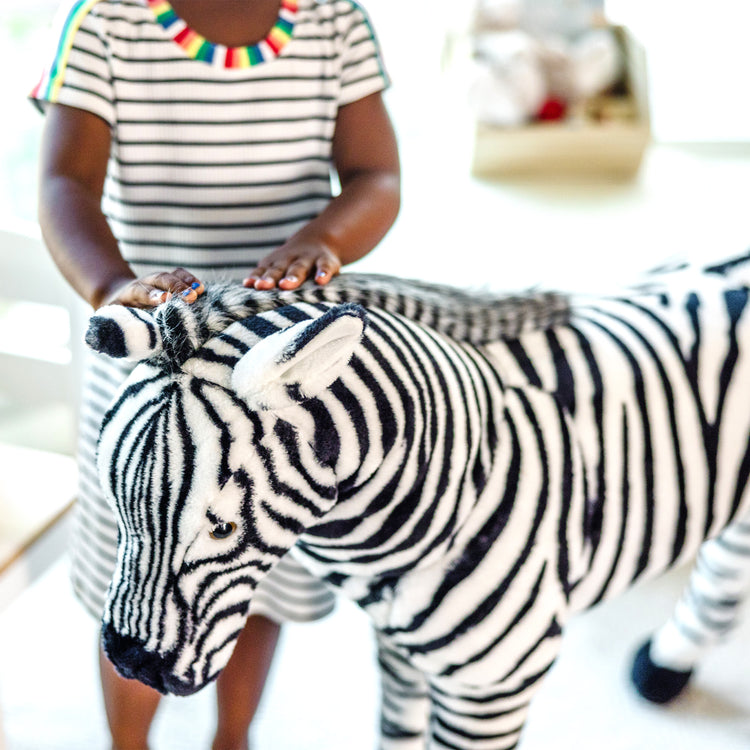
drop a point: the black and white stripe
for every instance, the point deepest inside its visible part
(212, 168)
(470, 496)
(209, 169)
(172, 333)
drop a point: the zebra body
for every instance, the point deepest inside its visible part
(470, 494)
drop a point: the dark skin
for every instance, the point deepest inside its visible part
(79, 238)
(131, 706)
(227, 21)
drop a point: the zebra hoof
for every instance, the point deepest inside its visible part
(656, 684)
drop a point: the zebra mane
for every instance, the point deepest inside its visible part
(175, 330)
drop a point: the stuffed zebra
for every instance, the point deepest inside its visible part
(471, 470)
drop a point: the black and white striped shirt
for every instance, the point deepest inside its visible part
(211, 168)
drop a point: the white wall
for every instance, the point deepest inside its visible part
(698, 59)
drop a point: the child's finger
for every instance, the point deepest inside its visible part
(270, 278)
(325, 269)
(298, 271)
(254, 276)
(139, 294)
(190, 280)
(173, 284)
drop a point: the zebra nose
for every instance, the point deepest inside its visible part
(134, 661)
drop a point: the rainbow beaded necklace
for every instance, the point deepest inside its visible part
(200, 48)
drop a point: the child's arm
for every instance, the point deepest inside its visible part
(365, 155)
(75, 151)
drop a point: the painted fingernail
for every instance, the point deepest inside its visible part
(195, 285)
(321, 274)
(187, 292)
(293, 279)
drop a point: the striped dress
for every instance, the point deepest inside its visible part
(218, 156)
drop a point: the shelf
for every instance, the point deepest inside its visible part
(37, 488)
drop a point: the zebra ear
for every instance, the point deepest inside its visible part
(124, 333)
(299, 362)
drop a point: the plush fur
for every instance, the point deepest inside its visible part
(470, 491)
(171, 335)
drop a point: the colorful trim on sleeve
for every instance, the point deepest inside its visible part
(48, 88)
(375, 42)
(363, 71)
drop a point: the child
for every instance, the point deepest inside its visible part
(200, 135)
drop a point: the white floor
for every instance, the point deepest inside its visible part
(323, 690)
(323, 694)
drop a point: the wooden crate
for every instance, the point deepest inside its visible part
(608, 146)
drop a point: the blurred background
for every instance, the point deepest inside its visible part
(559, 143)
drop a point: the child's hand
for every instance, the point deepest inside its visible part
(291, 264)
(152, 290)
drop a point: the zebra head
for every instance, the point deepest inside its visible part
(213, 470)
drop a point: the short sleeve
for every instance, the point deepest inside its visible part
(362, 69)
(78, 73)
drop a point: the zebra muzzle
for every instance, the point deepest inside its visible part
(133, 661)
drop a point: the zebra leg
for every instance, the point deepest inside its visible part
(706, 612)
(489, 718)
(405, 702)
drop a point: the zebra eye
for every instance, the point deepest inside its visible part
(223, 530)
